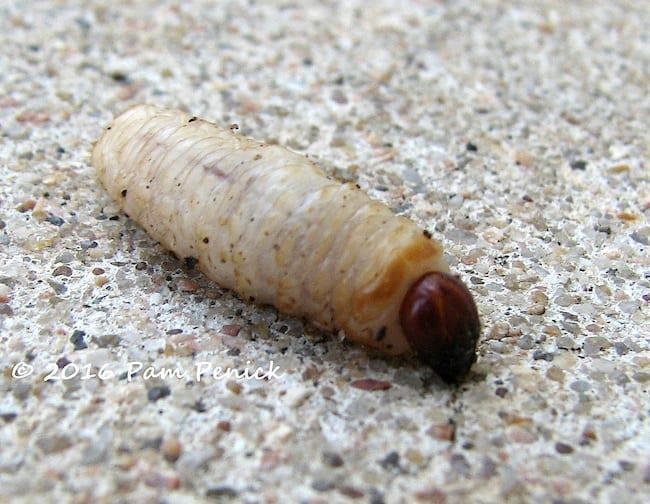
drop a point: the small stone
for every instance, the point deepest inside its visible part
(524, 158)
(431, 495)
(619, 377)
(629, 306)
(296, 397)
(327, 392)
(443, 432)
(62, 271)
(488, 468)
(461, 236)
(571, 327)
(593, 345)
(187, 285)
(64, 258)
(390, 460)
(499, 347)
(514, 419)
(156, 393)
(415, 456)
(499, 330)
(26, 205)
(310, 373)
(98, 271)
(376, 497)
(552, 330)
(190, 462)
(566, 343)
(646, 474)
(169, 265)
(621, 348)
(100, 281)
(90, 244)
(563, 448)
(321, 485)
(338, 141)
(156, 480)
(627, 216)
(118, 76)
(459, 464)
(642, 236)
(588, 435)
(213, 293)
(371, 384)
(351, 492)
(234, 387)
(153, 443)
(53, 444)
(537, 309)
(641, 376)
(171, 449)
(519, 434)
(541, 355)
(141, 266)
(555, 373)
(77, 339)
(224, 425)
(514, 332)
(231, 329)
(626, 465)
(8, 417)
(55, 220)
(332, 459)
(21, 389)
(501, 391)
(106, 340)
(471, 147)
(96, 451)
(58, 287)
(580, 386)
(339, 97)
(221, 492)
(579, 165)
(564, 300)
(526, 342)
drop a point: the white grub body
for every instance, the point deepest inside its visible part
(266, 222)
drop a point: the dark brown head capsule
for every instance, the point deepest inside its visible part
(440, 322)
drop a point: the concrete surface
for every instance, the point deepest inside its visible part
(517, 132)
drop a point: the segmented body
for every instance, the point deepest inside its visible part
(266, 222)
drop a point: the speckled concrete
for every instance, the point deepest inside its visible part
(517, 132)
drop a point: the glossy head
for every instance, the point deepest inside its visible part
(440, 322)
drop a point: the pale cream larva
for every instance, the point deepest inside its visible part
(267, 223)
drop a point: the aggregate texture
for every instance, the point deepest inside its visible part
(517, 132)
